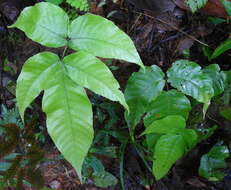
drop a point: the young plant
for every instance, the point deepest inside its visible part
(167, 111)
(67, 107)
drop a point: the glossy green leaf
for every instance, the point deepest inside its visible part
(167, 103)
(101, 38)
(218, 78)
(69, 118)
(196, 4)
(34, 77)
(190, 137)
(141, 89)
(169, 124)
(225, 46)
(169, 148)
(44, 23)
(213, 162)
(105, 179)
(88, 71)
(68, 110)
(188, 77)
(227, 6)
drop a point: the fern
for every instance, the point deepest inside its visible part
(194, 5)
(79, 4)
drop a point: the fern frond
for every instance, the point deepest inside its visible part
(194, 5)
(82, 5)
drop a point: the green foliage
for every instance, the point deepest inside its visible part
(82, 5)
(225, 46)
(141, 89)
(174, 141)
(194, 5)
(227, 6)
(167, 103)
(166, 136)
(68, 109)
(213, 162)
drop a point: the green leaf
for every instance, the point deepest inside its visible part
(69, 118)
(226, 112)
(79, 4)
(55, 2)
(169, 124)
(188, 77)
(34, 77)
(44, 23)
(218, 78)
(225, 46)
(227, 6)
(141, 89)
(68, 110)
(194, 5)
(105, 179)
(167, 103)
(212, 163)
(101, 38)
(190, 137)
(88, 71)
(169, 148)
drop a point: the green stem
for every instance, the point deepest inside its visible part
(122, 152)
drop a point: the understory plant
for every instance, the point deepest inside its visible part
(63, 78)
(165, 112)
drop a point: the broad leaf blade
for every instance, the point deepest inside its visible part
(218, 78)
(227, 6)
(88, 71)
(167, 103)
(225, 46)
(169, 124)
(188, 77)
(169, 148)
(142, 88)
(44, 23)
(34, 78)
(69, 118)
(102, 38)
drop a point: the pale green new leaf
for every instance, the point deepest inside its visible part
(69, 118)
(88, 71)
(169, 124)
(196, 4)
(169, 148)
(34, 76)
(225, 46)
(102, 38)
(218, 78)
(44, 23)
(188, 77)
(167, 103)
(141, 89)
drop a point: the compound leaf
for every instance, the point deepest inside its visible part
(142, 88)
(167, 103)
(101, 38)
(88, 71)
(169, 148)
(44, 23)
(188, 77)
(34, 77)
(79, 4)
